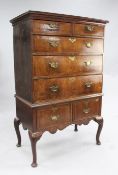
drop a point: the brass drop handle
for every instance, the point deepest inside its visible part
(72, 39)
(53, 65)
(53, 43)
(86, 110)
(54, 88)
(53, 25)
(88, 84)
(89, 28)
(55, 117)
(88, 63)
(88, 44)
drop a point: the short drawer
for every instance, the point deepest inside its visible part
(64, 88)
(87, 108)
(54, 66)
(53, 116)
(67, 45)
(89, 30)
(51, 28)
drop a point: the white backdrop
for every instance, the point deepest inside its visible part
(101, 9)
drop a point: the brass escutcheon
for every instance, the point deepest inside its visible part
(72, 79)
(72, 58)
(86, 110)
(54, 109)
(53, 43)
(72, 40)
(89, 28)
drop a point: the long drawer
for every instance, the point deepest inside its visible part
(53, 44)
(54, 66)
(63, 88)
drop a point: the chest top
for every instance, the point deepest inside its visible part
(53, 16)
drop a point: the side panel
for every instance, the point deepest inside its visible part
(25, 114)
(22, 59)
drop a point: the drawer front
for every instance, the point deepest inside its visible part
(51, 28)
(53, 116)
(52, 66)
(87, 108)
(63, 88)
(89, 30)
(67, 44)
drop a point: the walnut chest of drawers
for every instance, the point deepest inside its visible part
(58, 73)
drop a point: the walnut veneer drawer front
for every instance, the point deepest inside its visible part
(51, 28)
(89, 29)
(86, 108)
(63, 88)
(52, 66)
(67, 44)
(51, 116)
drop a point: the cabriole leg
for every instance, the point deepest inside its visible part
(34, 137)
(76, 129)
(99, 120)
(16, 126)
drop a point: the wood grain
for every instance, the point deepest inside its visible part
(66, 66)
(95, 30)
(85, 109)
(42, 44)
(45, 116)
(51, 28)
(67, 87)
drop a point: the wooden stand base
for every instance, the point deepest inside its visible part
(34, 137)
